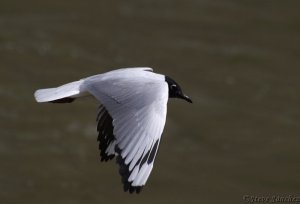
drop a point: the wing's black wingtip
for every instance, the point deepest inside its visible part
(132, 189)
(103, 155)
(105, 158)
(105, 136)
(125, 173)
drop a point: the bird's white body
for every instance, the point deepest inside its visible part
(136, 99)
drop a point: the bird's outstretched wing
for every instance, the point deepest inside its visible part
(138, 110)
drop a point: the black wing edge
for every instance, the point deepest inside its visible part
(125, 173)
(63, 100)
(124, 168)
(105, 133)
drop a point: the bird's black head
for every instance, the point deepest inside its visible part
(175, 90)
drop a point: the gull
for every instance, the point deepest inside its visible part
(131, 116)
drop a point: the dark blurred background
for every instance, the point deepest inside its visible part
(237, 59)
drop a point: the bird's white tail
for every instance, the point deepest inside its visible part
(62, 94)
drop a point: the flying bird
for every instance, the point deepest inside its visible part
(131, 116)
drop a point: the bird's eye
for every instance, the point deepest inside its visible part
(173, 85)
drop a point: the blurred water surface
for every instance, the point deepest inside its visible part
(238, 60)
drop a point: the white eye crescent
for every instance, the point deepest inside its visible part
(173, 85)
